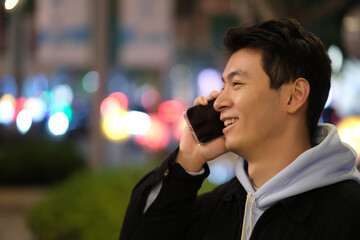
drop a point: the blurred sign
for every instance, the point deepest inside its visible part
(146, 33)
(64, 32)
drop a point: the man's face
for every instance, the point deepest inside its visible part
(252, 112)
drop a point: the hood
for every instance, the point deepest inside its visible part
(330, 161)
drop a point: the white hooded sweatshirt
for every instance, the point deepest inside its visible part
(330, 161)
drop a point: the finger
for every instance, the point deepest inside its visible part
(201, 100)
(213, 94)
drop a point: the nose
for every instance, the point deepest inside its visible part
(222, 101)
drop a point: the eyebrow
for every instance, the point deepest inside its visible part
(240, 73)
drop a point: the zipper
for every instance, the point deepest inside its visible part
(243, 216)
(241, 212)
(268, 213)
(252, 230)
(250, 200)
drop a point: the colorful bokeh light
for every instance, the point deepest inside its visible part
(63, 93)
(121, 98)
(7, 109)
(37, 108)
(62, 107)
(113, 125)
(349, 131)
(137, 123)
(336, 57)
(178, 128)
(150, 100)
(20, 102)
(171, 111)
(58, 124)
(9, 98)
(208, 80)
(109, 105)
(10, 4)
(47, 96)
(90, 82)
(158, 136)
(23, 121)
(221, 172)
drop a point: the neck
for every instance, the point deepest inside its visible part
(269, 159)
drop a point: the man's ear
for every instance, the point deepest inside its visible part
(298, 95)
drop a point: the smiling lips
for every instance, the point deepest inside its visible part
(228, 122)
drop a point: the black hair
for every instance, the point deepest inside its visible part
(288, 52)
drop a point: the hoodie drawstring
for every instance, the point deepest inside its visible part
(248, 198)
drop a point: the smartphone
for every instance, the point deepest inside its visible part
(204, 122)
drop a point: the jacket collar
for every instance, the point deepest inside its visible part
(235, 190)
(300, 206)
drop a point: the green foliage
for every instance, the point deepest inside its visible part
(30, 162)
(90, 205)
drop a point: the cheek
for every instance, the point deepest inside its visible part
(257, 109)
(245, 101)
(251, 105)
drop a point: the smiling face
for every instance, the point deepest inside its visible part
(253, 114)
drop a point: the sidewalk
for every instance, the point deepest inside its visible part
(15, 205)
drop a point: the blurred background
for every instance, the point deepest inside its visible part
(92, 94)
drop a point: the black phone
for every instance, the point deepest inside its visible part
(204, 122)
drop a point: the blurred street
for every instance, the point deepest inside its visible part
(15, 204)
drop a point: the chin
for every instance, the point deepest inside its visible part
(230, 145)
(233, 145)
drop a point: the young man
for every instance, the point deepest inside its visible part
(294, 179)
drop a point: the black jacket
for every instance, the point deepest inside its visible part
(331, 212)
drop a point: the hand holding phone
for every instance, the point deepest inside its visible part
(204, 122)
(193, 152)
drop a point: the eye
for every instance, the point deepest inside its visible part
(234, 84)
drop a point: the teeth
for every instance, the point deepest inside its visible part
(228, 122)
